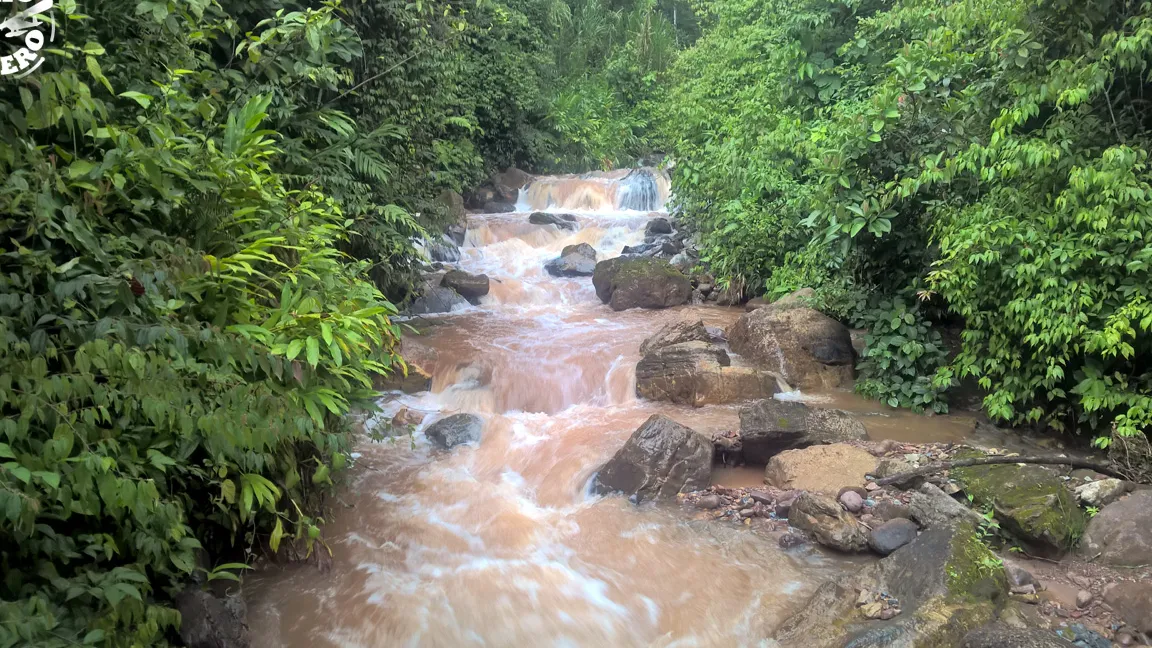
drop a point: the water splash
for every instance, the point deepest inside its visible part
(643, 190)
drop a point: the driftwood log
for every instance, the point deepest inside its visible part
(939, 466)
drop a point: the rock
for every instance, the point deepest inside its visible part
(730, 296)
(676, 333)
(756, 302)
(629, 282)
(684, 262)
(890, 466)
(807, 348)
(574, 261)
(1103, 492)
(1132, 602)
(414, 381)
(892, 535)
(933, 509)
(447, 433)
(1029, 501)
(1121, 533)
(1084, 598)
(435, 298)
(822, 516)
(477, 198)
(406, 418)
(710, 501)
(210, 622)
(660, 459)
(453, 204)
(1018, 577)
(442, 250)
(824, 469)
(790, 540)
(999, 635)
(801, 297)
(456, 233)
(658, 225)
(498, 207)
(470, 286)
(770, 426)
(852, 501)
(890, 510)
(509, 183)
(698, 374)
(563, 221)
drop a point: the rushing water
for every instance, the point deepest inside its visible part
(500, 545)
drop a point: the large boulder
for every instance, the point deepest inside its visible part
(1029, 501)
(412, 381)
(630, 282)
(823, 468)
(509, 182)
(934, 509)
(698, 374)
(478, 197)
(657, 226)
(442, 250)
(470, 286)
(893, 534)
(947, 584)
(210, 622)
(1133, 602)
(807, 348)
(563, 221)
(574, 261)
(830, 524)
(676, 333)
(660, 459)
(452, 203)
(770, 426)
(1121, 533)
(458, 429)
(435, 298)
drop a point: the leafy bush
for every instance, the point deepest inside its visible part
(902, 354)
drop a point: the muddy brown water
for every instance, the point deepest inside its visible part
(500, 544)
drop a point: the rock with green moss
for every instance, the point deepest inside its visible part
(947, 583)
(640, 282)
(1031, 502)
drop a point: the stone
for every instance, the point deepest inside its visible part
(432, 297)
(453, 204)
(406, 418)
(1029, 501)
(470, 286)
(999, 635)
(770, 426)
(1102, 492)
(456, 233)
(824, 469)
(801, 297)
(412, 381)
(710, 501)
(1132, 602)
(755, 303)
(892, 535)
(851, 501)
(509, 182)
(829, 524)
(1120, 535)
(660, 459)
(563, 221)
(442, 249)
(658, 225)
(698, 374)
(676, 333)
(498, 207)
(631, 282)
(1017, 576)
(805, 347)
(574, 261)
(458, 429)
(933, 509)
(890, 510)
(478, 197)
(1084, 598)
(210, 622)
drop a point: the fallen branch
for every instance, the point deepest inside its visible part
(1072, 462)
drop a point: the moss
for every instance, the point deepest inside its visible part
(645, 267)
(974, 572)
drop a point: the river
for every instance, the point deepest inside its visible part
(500, 544)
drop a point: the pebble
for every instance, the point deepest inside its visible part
(888, 613)
(760, 496)
(871, 486)
(1083, 598)
(873, 610)
(708, 502)
(852, 501)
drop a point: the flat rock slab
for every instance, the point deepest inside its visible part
(824, 468)
(770, 426)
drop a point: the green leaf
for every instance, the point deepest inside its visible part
(139, 97)
(321, 475)
(313, 351)
(277, 535)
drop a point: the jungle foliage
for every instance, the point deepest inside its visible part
(987, 159)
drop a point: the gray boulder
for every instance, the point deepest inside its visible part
(934, 509)
(660, 459)
(892, 535)
(442, 250)
(629, 282)
(1133, 603)
(210, 622)
(676, 333)
(698, 374)
(574, 261)
(449, 432)
(435, 298)
(770, 426)
(498, 207)
(658, 225)
(509, 182)
(1121, 533)
(807, 348)
(831, 525)
(470, 286)
(563, 221)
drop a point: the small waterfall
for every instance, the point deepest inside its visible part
(645, 189)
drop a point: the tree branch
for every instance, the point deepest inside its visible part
(961, 463)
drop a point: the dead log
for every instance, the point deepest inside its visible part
(939, 466)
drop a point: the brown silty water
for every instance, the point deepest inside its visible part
(500, 544)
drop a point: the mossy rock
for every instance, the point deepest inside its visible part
(1029, 502)
(640, 282)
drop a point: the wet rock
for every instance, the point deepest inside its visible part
(807, 348)
(1121, 533)
(447, 433)
(999, 635)
(770, 426)
(892, 535)
(832, 527)
(1018, 577)
(824, 469)
(660, 459)
(456, 233)
(698, 374)
(509, 182)
(476, 198)
(1133, 603)
(676, 333)
(851, 501)
(1102, 492)
(791, 540)
(890, 510)
(453, 204)
(755, 303)
(210, 622)
(406, 418)
(629, 282)
(436, 299)
(442, 250)
(710, 501)
(414, 381)
(498, 207)
(574, 261)
(933, 509)
(1029, 501)
(470, 286)
(731, 296)
(563, 221)
(1084, 598)
(658, 225)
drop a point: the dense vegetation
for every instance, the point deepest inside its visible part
(209, 209)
